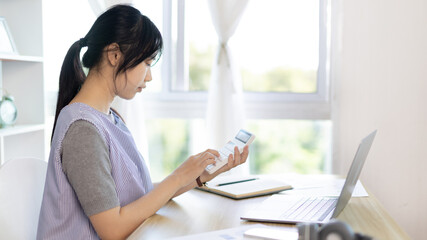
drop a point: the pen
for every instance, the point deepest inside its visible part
(239, 181)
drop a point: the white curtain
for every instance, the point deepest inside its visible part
(225, 113)
(132, 111)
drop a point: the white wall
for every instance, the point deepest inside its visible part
(379, 81)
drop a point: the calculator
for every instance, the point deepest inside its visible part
(241, 139)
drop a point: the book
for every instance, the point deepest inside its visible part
(242, 187)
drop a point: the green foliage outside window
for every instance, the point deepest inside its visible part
(281, 146)
(279, 79)
(289, 146)
(169, 144)
(200, 68)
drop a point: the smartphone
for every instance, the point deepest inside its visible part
(241, 139)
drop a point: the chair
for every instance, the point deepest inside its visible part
(21, 192)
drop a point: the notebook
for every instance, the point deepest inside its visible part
(242, 187)
(295, 209)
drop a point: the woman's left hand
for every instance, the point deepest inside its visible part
(233, 161)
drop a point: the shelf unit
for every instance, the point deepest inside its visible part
(22, 77)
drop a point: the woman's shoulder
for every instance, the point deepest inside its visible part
(80, 117)
(79, 110)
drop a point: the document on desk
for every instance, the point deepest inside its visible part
(253, 231)
(241, 187)
(329, 187)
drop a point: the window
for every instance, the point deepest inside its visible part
(281, 46)
(281, 145)
(269, 45)
(285, 145)
(277, 42)
(172, 141)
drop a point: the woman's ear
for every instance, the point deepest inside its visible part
(114, 54)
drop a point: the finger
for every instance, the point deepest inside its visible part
(206, 159)
(245, 154)
(208, 162)
(212, 151)
(227, 166)
(236, 156)
(230, 161)
(207, 155)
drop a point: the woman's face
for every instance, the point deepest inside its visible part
(134, 80)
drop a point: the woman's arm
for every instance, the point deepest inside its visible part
(120, 222)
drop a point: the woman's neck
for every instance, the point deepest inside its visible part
(96, 92)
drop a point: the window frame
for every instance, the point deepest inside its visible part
(174, 101)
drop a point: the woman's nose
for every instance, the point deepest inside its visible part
(148, 76)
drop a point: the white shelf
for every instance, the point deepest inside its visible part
(7, 57)
(21, 75)
(20, 129)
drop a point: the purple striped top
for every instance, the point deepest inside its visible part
(61, 215)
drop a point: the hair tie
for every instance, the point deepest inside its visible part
(83, 42)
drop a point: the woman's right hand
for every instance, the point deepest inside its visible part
(194, 166)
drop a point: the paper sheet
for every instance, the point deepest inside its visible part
(237, 233)
(327, 187)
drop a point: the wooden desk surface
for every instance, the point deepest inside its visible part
(197, 212)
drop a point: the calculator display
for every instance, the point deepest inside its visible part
(243, 136)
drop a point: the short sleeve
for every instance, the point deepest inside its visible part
(86, 163)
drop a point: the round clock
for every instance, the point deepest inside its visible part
(8, 111)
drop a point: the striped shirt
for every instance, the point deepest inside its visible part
(61, 214)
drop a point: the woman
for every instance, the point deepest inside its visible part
(97, 184)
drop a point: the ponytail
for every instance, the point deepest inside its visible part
(71, 78)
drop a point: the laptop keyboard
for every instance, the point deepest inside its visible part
(310, 209)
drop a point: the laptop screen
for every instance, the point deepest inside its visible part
(354, 173)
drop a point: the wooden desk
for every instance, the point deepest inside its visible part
(197, 212)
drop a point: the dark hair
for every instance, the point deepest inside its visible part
(138, 39)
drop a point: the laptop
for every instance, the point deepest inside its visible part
(280, 208)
